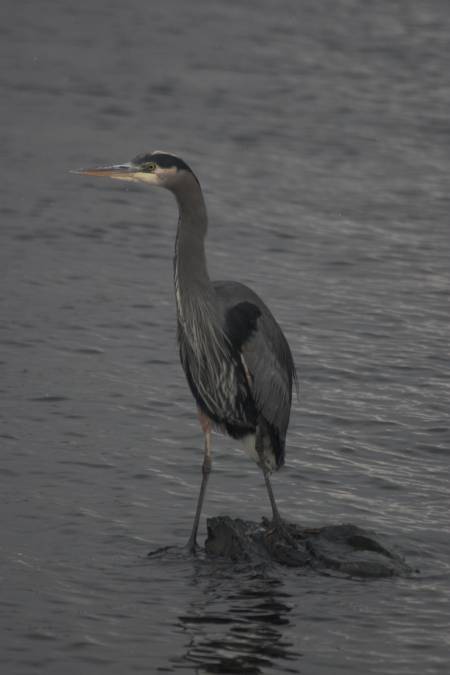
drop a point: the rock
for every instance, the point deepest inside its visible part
(343, 548)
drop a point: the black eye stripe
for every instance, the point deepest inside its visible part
(162, 159)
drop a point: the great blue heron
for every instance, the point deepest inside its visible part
(236, 359)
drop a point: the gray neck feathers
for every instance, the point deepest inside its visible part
(190, 271)
(200, 322)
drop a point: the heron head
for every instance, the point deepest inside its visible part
(155, 168)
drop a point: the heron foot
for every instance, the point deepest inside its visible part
(189, 549)
(281, 529)
(160, 551)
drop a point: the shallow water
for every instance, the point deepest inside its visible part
(320, 134)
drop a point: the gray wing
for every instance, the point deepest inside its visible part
(266, 355)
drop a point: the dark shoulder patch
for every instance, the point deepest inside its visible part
(240, 322)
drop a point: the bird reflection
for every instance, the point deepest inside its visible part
(237, 624)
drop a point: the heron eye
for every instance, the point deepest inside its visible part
(148, 167)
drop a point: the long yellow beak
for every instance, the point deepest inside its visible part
(119, 171)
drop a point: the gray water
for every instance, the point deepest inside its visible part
(320, 132)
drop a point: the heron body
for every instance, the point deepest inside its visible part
(237, 362)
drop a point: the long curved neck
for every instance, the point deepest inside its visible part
(190, 269)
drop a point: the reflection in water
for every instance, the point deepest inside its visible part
(236, 622)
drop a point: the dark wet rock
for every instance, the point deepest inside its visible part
(343, 548)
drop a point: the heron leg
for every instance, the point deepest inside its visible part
(279, 526)
(276, 514)
(206, 470)
(259, 446)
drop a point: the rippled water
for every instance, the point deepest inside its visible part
(320, 134)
